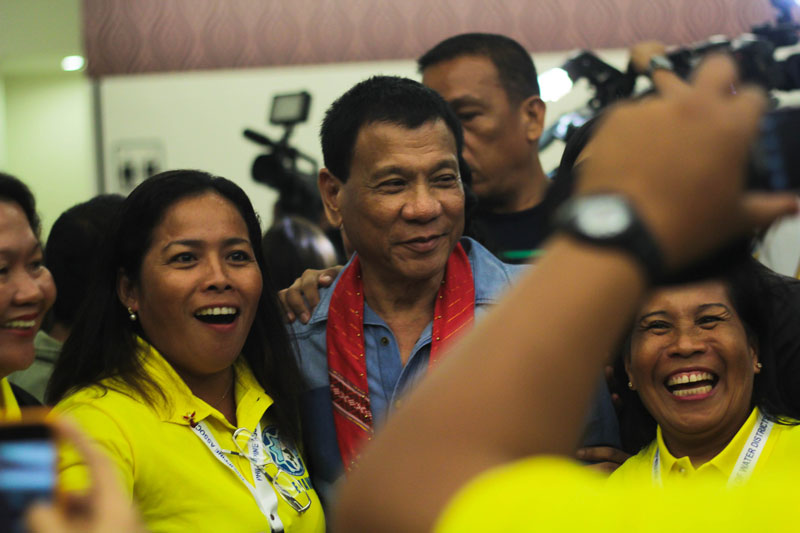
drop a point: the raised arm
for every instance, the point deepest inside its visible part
(679, 160)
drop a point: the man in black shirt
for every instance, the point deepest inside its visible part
(490, 82)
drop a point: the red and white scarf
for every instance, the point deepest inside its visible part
(347, 364)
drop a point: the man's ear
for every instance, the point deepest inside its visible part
(330, 188)
(533, 109)
(127, 292)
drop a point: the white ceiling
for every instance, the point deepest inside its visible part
(36, 34)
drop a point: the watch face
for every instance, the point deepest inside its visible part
(603, 216)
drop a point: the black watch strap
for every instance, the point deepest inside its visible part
(610, 220)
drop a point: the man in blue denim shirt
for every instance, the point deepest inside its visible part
(392, 182)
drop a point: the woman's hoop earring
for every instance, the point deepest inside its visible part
(132, 315)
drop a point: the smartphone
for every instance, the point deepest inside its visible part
(27, 471)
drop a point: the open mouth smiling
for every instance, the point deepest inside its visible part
(21, 323)
(685, 384)
(217, 315)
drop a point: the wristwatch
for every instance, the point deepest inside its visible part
(608, 219)
(658, 63)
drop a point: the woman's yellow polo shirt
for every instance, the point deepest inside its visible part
(175, 480)
(781, 448)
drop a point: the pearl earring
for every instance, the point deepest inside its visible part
(132, 315)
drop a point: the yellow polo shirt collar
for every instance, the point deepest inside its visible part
(183, 407)
(721, 466)
(9, 409)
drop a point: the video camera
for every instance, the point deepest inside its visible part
(754, 53)
(278, 168)
(775, 161)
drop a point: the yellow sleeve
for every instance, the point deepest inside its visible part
(638, 469)
(106, 433)
(525, 496)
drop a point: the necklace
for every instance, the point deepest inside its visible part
(225, 395)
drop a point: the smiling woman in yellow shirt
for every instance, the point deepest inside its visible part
(700, 361)
(180, 367)
(26, 287)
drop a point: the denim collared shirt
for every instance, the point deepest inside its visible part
(388, 379)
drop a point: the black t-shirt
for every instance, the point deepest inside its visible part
(514, 237)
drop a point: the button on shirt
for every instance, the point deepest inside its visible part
(388, 379)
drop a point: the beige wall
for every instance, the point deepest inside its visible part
(3, 156)
(49, 142)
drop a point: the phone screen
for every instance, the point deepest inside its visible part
(27, 472)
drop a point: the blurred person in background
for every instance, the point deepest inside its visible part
(491, 84)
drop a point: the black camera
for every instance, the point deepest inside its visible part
(775, 161)
(278, 168)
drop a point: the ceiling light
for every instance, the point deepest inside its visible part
(553, 84)
(71, 63)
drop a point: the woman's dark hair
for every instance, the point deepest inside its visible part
(13, 190)
(756, 293)
(294, 244)
(70, 251)
(102, 343)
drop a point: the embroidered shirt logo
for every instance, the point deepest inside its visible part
(283, 455)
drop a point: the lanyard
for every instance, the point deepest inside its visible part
(263, 493)
(748, 457)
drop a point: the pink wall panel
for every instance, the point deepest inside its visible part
(133, 36)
